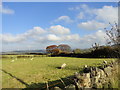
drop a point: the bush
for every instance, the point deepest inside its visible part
(77, 51)
(106, 51)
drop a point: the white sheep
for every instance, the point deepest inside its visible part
(63, 65)
(12, 61)
(31, 58)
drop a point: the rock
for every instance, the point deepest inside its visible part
(70, 87)
(63, 65)
(108, 70)
(102, 67)
(96, 77)
(92, 74)
(56, 88)
(112, 62)
(85, 66)
(105, 62)
(85, 80)
(98, 74)
(94, 86)
(94, 80)
(86, 70)
(102, 74)
(77, 75)
(99, 85)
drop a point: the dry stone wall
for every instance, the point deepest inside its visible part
(94, 77)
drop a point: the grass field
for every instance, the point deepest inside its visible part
(40, 69)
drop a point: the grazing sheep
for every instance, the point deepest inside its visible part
(12, 61)
(31, 58)
(63, 65)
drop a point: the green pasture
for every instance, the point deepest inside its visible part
(40, 69)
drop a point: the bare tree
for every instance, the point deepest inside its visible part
(114, 34)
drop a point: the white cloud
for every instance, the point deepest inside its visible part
(65, 19)
(74, 40)
(92, 25)
(95, 16)
(71, 37)
(98, 37)
(6, 10)
(107, 14)
(9, 38)
(81, 15)
(52, 37)
(58, 29)
(83, 6)
(35, 31)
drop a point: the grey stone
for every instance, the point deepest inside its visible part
(94, 86)
(108, 71)
(94, 80)
(56, 88)
(87, 70)
(93, 73)
(101, 73)
(70, 87)
(85, 80)
(105, 62)
(77, 75)
(85, 66)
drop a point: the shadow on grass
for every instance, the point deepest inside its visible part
(61, 83)
(18, 79)
(74, 68)
(58, 67)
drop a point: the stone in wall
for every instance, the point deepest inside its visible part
(70, 87)
(55, 88)
(108, 71)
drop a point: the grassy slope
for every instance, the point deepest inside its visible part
(41, 69)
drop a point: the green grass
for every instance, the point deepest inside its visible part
(41, 69)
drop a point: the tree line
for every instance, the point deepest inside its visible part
(112, 49)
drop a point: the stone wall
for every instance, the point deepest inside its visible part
(102, 76)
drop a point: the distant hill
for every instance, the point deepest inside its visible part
(24, 52)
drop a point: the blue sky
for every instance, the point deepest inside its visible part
(34, 25)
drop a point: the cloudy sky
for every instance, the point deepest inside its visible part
(35, 25)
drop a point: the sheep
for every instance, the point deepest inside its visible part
(63, 65)
(31, 59)
(12, 61)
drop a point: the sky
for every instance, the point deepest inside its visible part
(35, 25)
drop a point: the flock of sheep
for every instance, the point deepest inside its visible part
(13, 59)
